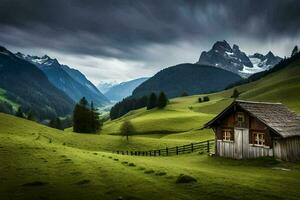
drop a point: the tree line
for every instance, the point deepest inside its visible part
(130, 103)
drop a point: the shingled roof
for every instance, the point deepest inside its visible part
(276, 116)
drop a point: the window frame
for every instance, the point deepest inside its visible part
(242, 115)
(226, 134)
(259, 138)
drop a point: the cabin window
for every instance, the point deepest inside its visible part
(259, 138)
(227, 134)
(240, 117)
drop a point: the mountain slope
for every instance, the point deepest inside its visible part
(70, 81)
(190, 78)
(124, 89)
(28, 86)
(105, 86)
(233, 59)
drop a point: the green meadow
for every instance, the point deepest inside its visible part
(38, 162)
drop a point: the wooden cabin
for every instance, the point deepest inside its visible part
(247, 129)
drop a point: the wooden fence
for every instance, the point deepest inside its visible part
(205, 146)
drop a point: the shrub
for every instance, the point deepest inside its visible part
(235, 94)
(200, 100)
(20, 113)
(185, 179)
(206, 98)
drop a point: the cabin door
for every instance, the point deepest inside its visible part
(241, 143)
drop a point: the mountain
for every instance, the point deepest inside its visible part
(69, 80)
(124, 89)
(189, 78)
(26, 85)
(233, 59)
(104, 87)
(264, 62)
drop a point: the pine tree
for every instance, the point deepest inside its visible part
(162, 100)
(127, 129)
(20, 113)
(295, 51)
(152, 101)
(83, 102)
(30, 116)
(56, 123)
(59, 124)
(235, 94)
(96, 123)
(85, 118)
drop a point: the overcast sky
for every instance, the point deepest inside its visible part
(125, 39)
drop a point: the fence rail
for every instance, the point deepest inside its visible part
(205, 146)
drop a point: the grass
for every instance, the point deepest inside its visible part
(84, 168)
(38, 162)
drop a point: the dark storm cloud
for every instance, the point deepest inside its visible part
(123, 28)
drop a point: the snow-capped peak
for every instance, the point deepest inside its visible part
(40, 61)
(233, 59)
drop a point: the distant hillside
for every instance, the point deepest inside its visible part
(124, 89)
(69, 80)
(105, 86)
(28, 86)
(188, 78)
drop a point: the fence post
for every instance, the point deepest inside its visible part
(167, 151)
(176, 150)
(208, 146)
(192, 147)
(158, 152)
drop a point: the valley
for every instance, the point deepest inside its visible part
(50, 163)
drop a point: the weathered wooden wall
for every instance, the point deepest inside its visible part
(240, 147)
(225, 149)
(256, 151)
(287, 149)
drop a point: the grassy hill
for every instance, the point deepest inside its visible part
(38, 162)
(185, 114)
